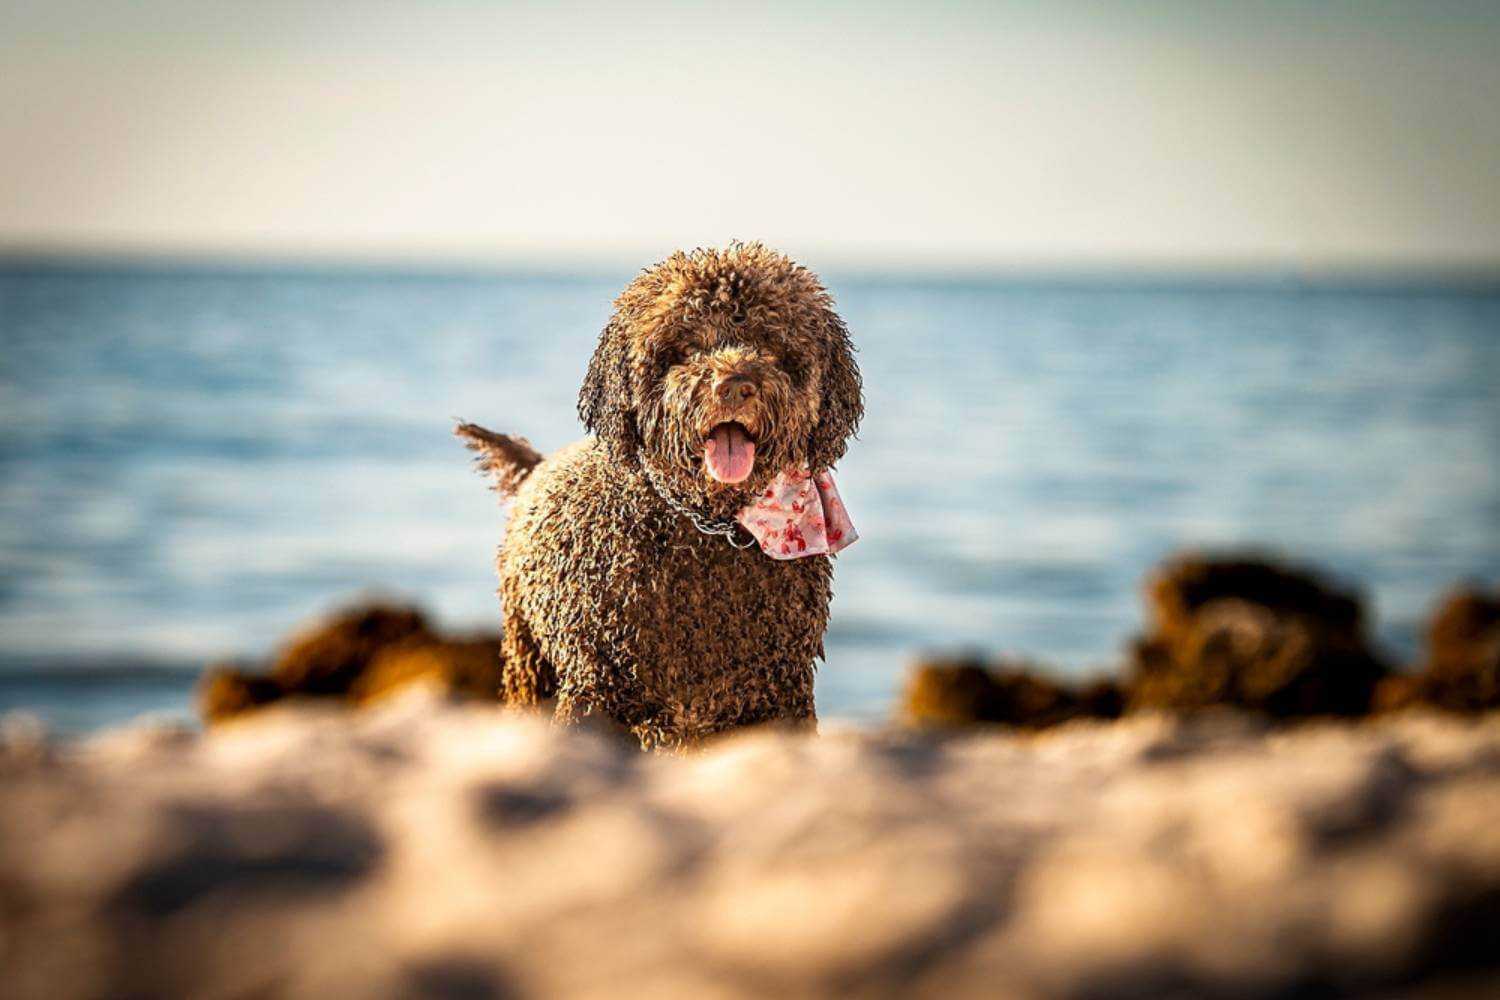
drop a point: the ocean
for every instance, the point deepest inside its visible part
(194, 461)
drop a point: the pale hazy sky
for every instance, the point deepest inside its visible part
(1046, 134)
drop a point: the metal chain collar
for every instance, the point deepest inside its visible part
(729, 528)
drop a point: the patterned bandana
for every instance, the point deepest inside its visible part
(799, 514)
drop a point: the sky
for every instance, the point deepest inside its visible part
(1293, 136)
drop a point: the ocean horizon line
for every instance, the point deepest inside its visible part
(1249, 276)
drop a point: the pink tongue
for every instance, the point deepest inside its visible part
(729, 454)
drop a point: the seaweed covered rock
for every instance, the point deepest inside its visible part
(225, 692)
(1248, 632)
(1462, 667)
(1186, 583)
(467, 668)
(1397, 692)
(328, 658)
(357, 656)
(964, 691)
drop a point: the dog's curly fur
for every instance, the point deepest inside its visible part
(612, 601)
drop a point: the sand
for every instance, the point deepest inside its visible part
(423, 848)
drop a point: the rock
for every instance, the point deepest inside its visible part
(430, 847)
(328, 658)
(1462, 667)
(965, 691)
(1252, 634)
(225, 692)
(1101, 698)
(1185, 583)
(358, 656)
(463, 668)
(1396, 693)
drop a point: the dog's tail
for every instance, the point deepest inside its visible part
(508, 460)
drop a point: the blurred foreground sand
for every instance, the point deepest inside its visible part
(423, 848)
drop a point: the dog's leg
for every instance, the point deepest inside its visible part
(528, 679)
(804, 710)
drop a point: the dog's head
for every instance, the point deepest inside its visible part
(720, 369)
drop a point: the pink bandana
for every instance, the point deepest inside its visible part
(799, 514)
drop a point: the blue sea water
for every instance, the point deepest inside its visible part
(193, 462)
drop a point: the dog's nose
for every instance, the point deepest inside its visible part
(735, 388)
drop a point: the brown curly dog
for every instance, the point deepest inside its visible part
(718, 370)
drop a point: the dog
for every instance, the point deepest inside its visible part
(644, 574)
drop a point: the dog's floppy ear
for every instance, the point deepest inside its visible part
(843, 401)
(604, 402)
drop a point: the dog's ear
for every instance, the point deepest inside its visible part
(604, 403)
(843, 401)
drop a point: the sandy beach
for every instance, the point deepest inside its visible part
(429, 848)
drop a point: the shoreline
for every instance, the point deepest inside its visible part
(1232, 628)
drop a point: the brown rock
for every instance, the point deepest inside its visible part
(1397, 692)
(468, 668)
(964, 691)
(1187, 582)
(1462, 667)
(1102, 698)
(1246, 632)
(225, 692)
(327, 659)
